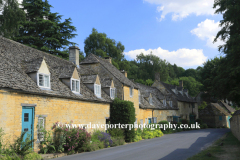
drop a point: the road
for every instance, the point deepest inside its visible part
(177, 146)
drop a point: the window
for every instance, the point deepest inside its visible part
(43, 80)
(112, 93)
(75, 85)
(170, 103)
(150, 100)
(97, 90)
(164, 102)
(154, 119)
(131, 91)
(220, 118)
(41, 127)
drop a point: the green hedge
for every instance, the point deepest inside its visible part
(123, 112)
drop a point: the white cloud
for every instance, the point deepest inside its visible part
(207, 30)
(182, 57)
(183, 8)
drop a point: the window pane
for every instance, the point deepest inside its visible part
(77, 86)
(40, 78)
(73, 85)
(46, 81)
(26, 117)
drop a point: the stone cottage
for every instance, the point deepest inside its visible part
(215, 115)
(235, 124)
(38, 87)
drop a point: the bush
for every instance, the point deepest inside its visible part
(157, 133)
(137, 138)
(123, 112)
(117, 141)
(168, 130)
(199, 121)
(47, 145)
(116, 132)
(103, 137)
(203, 126)
(32, 156)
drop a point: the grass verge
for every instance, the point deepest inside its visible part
(227, 147)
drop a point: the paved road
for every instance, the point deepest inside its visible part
(177, 146)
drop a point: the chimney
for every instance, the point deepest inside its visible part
(157, 76)
(180, 83)
(109, 59)
(124, 73)
(74, 55)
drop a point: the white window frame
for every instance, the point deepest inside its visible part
(114, 93)
(43, 74)
(97, 90)
(76, 80)
(40, 135)
(154, 119)
(131, 91)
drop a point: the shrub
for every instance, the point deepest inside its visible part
(203, 126)
(137, 138)
(46, 146)
(116, 132)
(103, 137)
(199, 121)
(21, 147)
(123, 112)
(147, 134)
(117, 141)
(32, 156)
(157, 133)
(168, 130)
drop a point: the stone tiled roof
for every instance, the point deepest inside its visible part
(237, 112)
(211, 108)
(157, 96)
(106, 82)
(66, 71)
(91, 58)
(89, 79)
(180, 97)
(16, 60)
(226, 106)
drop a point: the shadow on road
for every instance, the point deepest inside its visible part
(185, 153)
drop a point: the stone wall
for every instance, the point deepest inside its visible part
(56, 109)
(186, 108)
(214, 121)
(235, 126)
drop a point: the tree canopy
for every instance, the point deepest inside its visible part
(10, 17)
(44, 30)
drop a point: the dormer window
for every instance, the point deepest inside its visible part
(97, 90)
(131, 91)
(112, 93)
(170, 103)
(43, 80)
(150, 100)
(75, 85)
(164, 102)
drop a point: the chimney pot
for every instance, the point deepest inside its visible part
(157, 76)
(180, 83)
(74, 55)
(124, 73)
(109, 59)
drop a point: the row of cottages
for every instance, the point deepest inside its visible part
(217, 114)
(152, 104)
(37, 88)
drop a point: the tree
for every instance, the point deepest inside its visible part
(100, 45)
(192, 85)
(10, 18)
(151, 64)
(229, 70)
(44, 30)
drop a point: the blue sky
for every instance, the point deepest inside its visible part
(180, 31)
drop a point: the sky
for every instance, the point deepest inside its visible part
(180, 31)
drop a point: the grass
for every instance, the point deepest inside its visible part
(230, 149)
